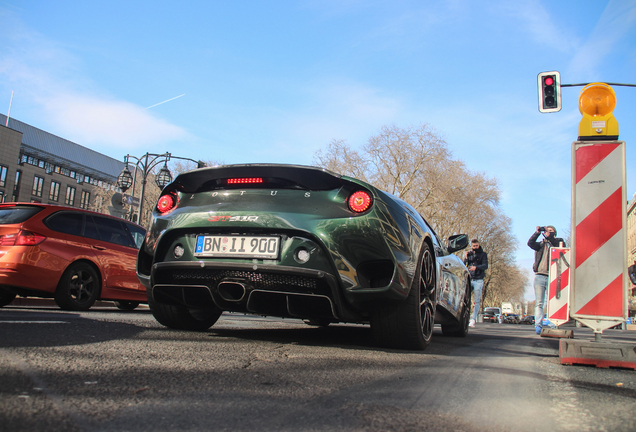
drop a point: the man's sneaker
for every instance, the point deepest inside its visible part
(547, 322)
(471, 323)
(537, 329)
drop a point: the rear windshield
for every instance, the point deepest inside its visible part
(15, 215)
(491, 310)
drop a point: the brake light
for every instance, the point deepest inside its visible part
(22, 238)
(167, 202)
(360, 201)
(245, 180)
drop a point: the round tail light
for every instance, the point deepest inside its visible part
(166, 203)
(360, 201)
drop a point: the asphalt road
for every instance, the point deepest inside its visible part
(106, 370)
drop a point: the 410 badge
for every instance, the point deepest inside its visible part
(214, 246)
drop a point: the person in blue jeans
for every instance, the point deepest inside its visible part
(477, 262)
(541, 268)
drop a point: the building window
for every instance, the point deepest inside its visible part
(3, 176)
(85, 199)
(2, 196)
(38, 182)
(16, 186)
(70, 196)
(54, 195)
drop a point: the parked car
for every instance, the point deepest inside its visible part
(491, 314)
(510, 318)
(302, 242)
(74, 256)
(528, 319)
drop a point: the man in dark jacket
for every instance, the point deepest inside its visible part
(541, 268)
(477, 262)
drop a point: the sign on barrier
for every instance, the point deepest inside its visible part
(558, 311)
(599, 241)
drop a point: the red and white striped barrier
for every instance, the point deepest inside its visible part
(558, 311)
(599, 285)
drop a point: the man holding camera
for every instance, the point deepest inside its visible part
(477, 262)
(541, 268)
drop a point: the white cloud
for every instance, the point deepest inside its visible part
(540, 24)
(112, 123)
(52, 93)
(617, 20)
(336, 110)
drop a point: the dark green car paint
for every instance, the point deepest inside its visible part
(363, 261)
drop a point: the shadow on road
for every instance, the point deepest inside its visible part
(57, 328)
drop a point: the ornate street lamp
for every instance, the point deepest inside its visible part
(145, 165)
(125, 179)
(163, 177)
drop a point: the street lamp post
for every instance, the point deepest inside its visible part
(145, 164)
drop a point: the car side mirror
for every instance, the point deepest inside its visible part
(457, 242)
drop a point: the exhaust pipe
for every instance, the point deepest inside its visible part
(231, 291)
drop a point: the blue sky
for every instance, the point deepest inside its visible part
(274, 81)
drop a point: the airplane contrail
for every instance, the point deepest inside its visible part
(176, 97)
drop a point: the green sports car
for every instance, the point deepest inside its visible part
(300, 242)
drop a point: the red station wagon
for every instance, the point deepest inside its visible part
(74, 256)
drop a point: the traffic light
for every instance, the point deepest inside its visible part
(597, 102)
(549, 91)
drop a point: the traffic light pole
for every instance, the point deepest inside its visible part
(584, 84)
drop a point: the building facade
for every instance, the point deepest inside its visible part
(631, 230)
(631, 251)
(36, 166)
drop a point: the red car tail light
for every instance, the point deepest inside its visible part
(245, 180)
(167, 202)
(360, 201)
(22, 238)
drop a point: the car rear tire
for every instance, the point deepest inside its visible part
(460, 329)
(410, 324)
(79, 288)
(6, 297)
(179, 317)
(126, 305)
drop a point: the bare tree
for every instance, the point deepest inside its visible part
(178, 166)
(339, 158)
(416, 165)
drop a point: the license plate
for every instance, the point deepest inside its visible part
(237, 246)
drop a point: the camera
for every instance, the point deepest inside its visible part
(541, 229)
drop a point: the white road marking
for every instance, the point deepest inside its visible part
(34, 322)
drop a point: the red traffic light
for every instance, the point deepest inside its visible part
(549, 84)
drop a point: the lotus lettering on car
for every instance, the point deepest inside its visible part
(251, 241)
